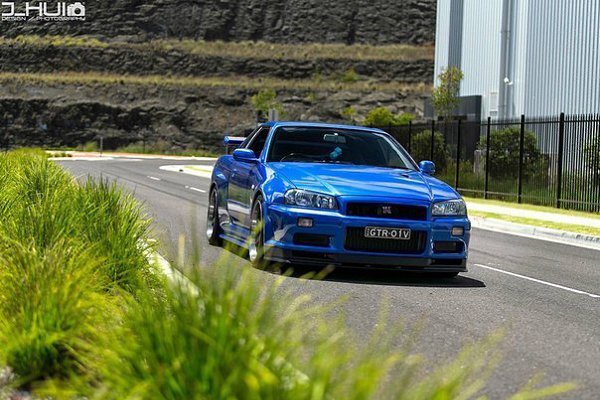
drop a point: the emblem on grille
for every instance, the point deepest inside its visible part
(386, 210)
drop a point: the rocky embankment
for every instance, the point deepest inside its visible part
(147, 61)
(282, 21)
(57, 115)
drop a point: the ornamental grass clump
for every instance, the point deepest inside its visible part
(67, 253)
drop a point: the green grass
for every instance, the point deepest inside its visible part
(163, 148)
(585, 230)
(83, 314)
(247, 49)
(238, 82)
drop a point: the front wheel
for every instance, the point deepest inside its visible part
(213, 226)
(256, 247)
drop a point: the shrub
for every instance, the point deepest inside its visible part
(382, 117)
(421, 149)
(504, 153)
(349, 76)
(349, 114)
(265, 100)
(88, 146)
(591, 151)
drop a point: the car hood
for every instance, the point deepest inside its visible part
(363, 181)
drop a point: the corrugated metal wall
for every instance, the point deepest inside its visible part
(442, 35)
(562, 61)
(481, 49)
(555, 48)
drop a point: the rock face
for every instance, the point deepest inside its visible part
(176, 118)
(286, 21)
(19, 58)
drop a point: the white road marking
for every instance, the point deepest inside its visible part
(203, 171)
(568, 289)
(195, 189)
(154, 178)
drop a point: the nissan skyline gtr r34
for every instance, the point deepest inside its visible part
(321, 194)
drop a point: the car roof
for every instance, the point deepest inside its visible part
(298, 124)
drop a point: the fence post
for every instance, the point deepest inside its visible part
(559, 171)
(432, 137)
(409, 135)
(521, 155)
(487, 159)
(457, 156)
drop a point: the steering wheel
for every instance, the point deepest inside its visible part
(297, 156)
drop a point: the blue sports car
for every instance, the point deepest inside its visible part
(321, 194)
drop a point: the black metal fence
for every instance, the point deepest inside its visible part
(545, 161)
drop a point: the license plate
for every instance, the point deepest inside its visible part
(374, 232)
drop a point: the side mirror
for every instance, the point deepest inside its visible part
(244, 155)
(427, 167)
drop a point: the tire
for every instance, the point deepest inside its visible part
(213, 226)
(256, 247)
(446, 275)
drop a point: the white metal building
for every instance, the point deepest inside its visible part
(532, 57)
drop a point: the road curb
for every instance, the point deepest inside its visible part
(536, 232)
(172, 274)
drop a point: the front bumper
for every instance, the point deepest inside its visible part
(282, 226)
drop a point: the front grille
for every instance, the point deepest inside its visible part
(392, 211)
(356, 241)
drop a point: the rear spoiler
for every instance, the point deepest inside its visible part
(233, 141)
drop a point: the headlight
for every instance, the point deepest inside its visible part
(450, 208)
(304, 198)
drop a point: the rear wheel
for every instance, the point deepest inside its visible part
(256, 247)
(213, 226)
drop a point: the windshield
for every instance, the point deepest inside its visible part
(339, 146)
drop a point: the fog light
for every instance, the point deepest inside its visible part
(458, 231)
(305, 222)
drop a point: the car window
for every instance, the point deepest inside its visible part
(249, 138)
(257, 143)
(340, 146)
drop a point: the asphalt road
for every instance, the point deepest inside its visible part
(545, 295)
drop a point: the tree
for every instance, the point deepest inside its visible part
(382, 117)
(444, 97)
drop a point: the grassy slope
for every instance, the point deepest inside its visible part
(255, 50)
(530, 207)
(585, 230)
(239, 82)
